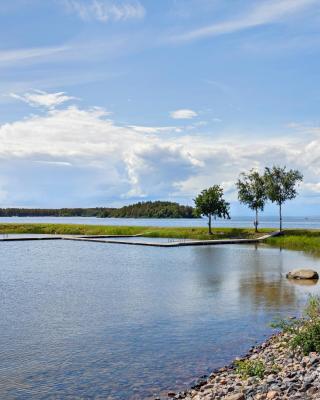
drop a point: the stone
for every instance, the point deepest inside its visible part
(272, 395)
(235, 396)
(288, 376)
(303, 274)
(208, 386)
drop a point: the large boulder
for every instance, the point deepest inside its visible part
(303, 274)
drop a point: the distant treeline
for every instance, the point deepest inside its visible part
(148, 209)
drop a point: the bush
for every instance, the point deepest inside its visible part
(250, 368)
(305, 331)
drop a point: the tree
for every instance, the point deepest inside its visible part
(210, 202)
(281, 185)
(252, 191)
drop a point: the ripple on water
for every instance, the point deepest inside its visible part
(94, 320)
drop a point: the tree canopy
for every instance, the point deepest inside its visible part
(210, 203)
(281, 185)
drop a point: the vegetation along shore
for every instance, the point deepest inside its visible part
(293, 239)
(286, 366)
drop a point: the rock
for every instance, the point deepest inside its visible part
(303, 274)
(288, 376)
(236, 396)
(272, 395)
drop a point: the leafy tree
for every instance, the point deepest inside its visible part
(252, 191)
(281, 185)
(210, 202)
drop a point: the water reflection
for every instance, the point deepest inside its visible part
(304, 282)
(89, 320)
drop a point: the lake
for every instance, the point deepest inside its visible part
(311, 222)
(108, 321)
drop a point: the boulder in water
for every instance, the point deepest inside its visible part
(303, 274)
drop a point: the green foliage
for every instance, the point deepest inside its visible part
(154, 209)
(149, 209)
(298, 239)
(252, 190)
(148, 231)
(281, 184)
(305, 331)
(250, 368)
(210, 202)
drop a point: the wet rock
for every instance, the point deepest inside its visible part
(303, 274)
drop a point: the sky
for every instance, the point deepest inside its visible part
(110, 102)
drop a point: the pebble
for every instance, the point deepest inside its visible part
(288, 376)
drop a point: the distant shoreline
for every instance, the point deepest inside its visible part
(148, 209)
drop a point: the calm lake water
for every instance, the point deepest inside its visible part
(236, 222)
(108, 321)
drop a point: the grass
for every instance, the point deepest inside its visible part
(250, 368)
(164, 232)
(298, 239)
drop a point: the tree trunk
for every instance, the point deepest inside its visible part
(210, 231)
(280, 214)
(256, 221)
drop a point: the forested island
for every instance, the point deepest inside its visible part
(148, 209)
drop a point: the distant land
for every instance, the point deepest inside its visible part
(148, 209)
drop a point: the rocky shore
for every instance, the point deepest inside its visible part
(287, 375)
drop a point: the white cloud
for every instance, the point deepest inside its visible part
(155, 129)
(88, 147)
(161, 166)
(106, 10)
(55, 163)
(39, 98)
(265, 12)
(183, 114)
(18, 55)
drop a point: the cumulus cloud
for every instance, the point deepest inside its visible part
(39, 98)
(87, 148)
(161, 166)
(105, 10)
(183, 113)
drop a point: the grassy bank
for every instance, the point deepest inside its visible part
(166, 232)
(298, 239)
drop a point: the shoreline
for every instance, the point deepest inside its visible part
(288, 375)
(292, 239)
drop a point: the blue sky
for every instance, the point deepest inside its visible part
(108, 102)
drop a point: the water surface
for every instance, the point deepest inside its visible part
(92, 320)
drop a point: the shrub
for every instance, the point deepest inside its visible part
(250, 368)
(305, 331)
